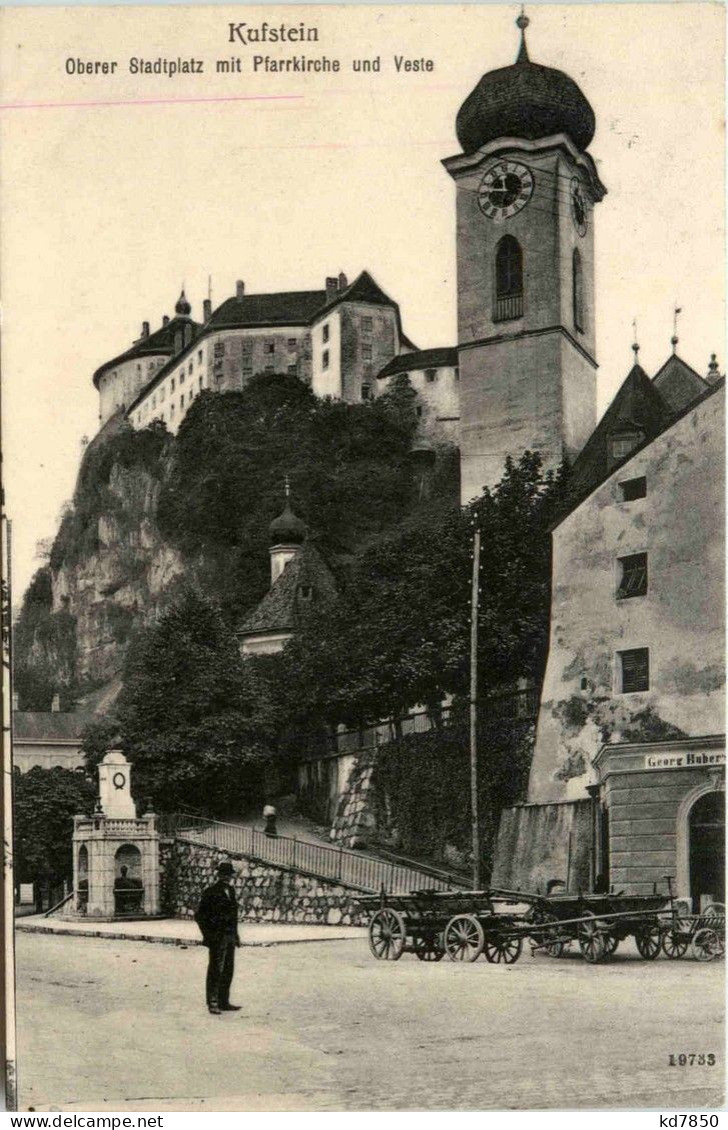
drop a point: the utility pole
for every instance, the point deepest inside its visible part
(474, 709)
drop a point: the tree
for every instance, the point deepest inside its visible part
(45, 802)
(193, 718)
(399, 635)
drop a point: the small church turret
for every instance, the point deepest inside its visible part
(526, 191)
(287, 535)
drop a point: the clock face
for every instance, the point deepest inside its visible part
(579, 212)
(505, 189)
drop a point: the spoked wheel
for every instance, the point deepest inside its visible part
(591, 940)
(674, 944)
(649, 941)
(611, 941)
(387, 935)
(543, 917)
(429, 947)
(464, 938)
(503, 950)
(707, 944)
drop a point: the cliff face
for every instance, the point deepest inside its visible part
(124, 582)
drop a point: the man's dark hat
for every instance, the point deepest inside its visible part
(225, 868)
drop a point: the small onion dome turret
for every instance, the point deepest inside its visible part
(287, 528)
(183, 308)
(527, 101)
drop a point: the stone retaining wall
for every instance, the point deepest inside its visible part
(265, 892)
(354, 822)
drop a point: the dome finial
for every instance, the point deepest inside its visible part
(287, 528)
(522, 22)
(182, 307)
(635, 344)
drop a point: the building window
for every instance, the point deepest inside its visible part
(219, 350)
(139, 368)
(270, 347)
(430, 375)
(190, 369)
(366, 325)
(631, 489)
(200, 383)
(457, 374)
(199, 356)
(623, 442)
(171, 411)
(419, 409)
(182, 400)
(366, 392)
(292, 369)
(508, 280)
(325, 359)
(366, 352)
(182, 377)
(326, 332)
(171, 383)
(291, 344)
(154, 402)
(577, 289)
(161, 394)
(633, 576)
(634, 670)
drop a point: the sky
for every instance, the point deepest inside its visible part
(115, 190)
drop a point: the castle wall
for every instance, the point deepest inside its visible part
(326, 346)
(438, 401)
(680, 526)
(119, 386)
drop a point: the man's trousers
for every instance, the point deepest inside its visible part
(220, 969)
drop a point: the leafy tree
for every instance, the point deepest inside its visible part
(399, 635)
(45, 802)
(194, 719)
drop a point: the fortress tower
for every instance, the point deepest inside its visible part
(526, 191)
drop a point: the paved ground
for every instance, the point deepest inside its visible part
(107, 1025)
(184, 931)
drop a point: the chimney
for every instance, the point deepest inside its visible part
(16, 705)
(332, 286)
(343, 281)
(145, 329)
(240, 290)
(56, 704)
(165, 319)
(713, 375)
(206, 310)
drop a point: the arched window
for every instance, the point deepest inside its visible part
(577, 288)
(508, 280)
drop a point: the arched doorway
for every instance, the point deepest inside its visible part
(706, 831)
(128, 889)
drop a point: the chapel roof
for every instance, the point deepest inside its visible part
(421, 359)
(678, 383)
(306, 584)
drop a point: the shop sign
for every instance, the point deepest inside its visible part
(685, 760)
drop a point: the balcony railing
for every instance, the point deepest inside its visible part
(508, 308)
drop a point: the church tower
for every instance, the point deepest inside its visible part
(526, 192)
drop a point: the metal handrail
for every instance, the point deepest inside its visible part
(335, 864)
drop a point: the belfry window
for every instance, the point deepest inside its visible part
(577, 286)
(508, 280)
(622, 442)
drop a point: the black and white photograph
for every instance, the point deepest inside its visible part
(363, 558)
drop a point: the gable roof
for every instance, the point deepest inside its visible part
(290, 308)
(284, 607)
(678, 383)
(421, 359)
(637, 406)
(49, 726)
(363, 289)
(160, 342)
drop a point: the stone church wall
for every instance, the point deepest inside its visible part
(265, 893)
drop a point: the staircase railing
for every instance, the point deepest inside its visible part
(336, 864)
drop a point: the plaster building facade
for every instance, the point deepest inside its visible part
(435, 379)
(48, 738)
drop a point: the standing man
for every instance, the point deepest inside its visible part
(217, 917)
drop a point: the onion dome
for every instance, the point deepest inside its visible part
(525, 100)
(183, 308)
(287, 528)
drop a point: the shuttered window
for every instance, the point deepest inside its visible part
(635, 669)
(633, 576)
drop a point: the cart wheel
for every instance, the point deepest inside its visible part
(706, 944)
(649, 941)
(543, 917)
(464, 938)
(505, 950)
(387, 934)
(429, 948)
(674, 944)
(591, 940)
(611, 941)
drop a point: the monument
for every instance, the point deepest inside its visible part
(115, 852)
